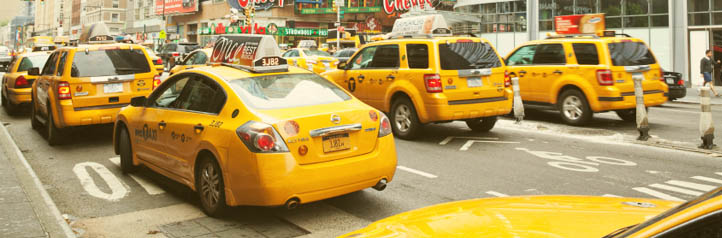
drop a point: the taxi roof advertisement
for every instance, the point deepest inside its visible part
(579, 24)
(419, 25)
(176, 7)
(243, 51)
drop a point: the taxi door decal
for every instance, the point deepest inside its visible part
(351, 84)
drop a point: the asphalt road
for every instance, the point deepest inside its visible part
(448, 163)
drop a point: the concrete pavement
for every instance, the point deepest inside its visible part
(692, 96)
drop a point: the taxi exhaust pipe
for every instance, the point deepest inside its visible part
(292, 203)
(380, 186)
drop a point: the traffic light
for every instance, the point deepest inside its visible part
(247, 11)
(253, 11)
(333, 5)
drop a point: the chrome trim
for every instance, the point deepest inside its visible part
(335, 129)
(474, 72)
(637, 68)
(112, 79)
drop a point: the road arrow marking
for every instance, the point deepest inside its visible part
(422, 173)
(149, 187)
(450, 138)
(468, 143)
(657, 194)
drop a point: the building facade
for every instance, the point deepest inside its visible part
(110, 12)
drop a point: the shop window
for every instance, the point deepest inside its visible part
(697, 5)
(613, 22)
(549, 25)
(698, 19)
(717, 18)
(642, 21)
(585, 6)
(660, 20)
(636, 7)
(611, 7)
(546, 8)
(564, 7)
(662, 6)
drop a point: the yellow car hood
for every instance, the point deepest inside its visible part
(527, 216)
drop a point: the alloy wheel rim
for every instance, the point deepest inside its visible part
(572, 107)
(402, 118)
(210, 185)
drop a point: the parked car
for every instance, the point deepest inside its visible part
(674, 81)
(345, 54)
(175, 52)
(5, 57)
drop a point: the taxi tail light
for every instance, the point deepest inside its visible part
(261, 138)
(156, 81)
(159, 61)
(384, 126)
(21, 82)
(680, 82)
(507, 79)
(64, 90)
(433, 83)
(604, 77)
(661, 75)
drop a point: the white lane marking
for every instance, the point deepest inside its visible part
(701, 187)
(676, 110)
(612, 161)
(468, 143)
(149, 187)
(652, 171)
(117, 188)
(657, 194)
(422, 173)
(719, 173)
(611, 196)
(450, 138)
(497, 194)
(708, 179)
(675, 189)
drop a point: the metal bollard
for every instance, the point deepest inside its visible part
(642, 122)
(706, 127)
(518, 104)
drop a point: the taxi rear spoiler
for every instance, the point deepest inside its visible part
(474, 72)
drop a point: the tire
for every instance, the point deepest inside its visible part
(404, 120)
(484, 124)
(34, 122)
(210, 188)
(126, 152)
(54, 134)
(574, 108)
(628, 115)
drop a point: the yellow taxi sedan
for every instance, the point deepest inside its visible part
(17, 84)
(197, 58)
(312, 59)
(250, 130)
(557, 216)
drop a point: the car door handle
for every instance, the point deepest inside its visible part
(557, 72)
(361, 78)
(522, 73)
(198, 128)
(161, 125)
(390, 77)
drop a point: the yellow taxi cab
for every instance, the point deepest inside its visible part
(428, 76)
(196, 58)
(16, 83)
(310, 58)
(251, 130)
(581, 75)
(88, 84)
(157, 61)
(557, 216)
(39, 41)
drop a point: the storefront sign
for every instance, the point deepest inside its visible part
(346, 10)
(176, 7)
(220, 29)
(259, 4)
(391, 6)
(579, 24)
(371, 25)
(272, 29)
(284, 31)
(421, 25)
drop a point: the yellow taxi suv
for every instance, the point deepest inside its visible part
(557, 216)
(251, 130)
(422, 78)
(582, 75)
(17, 84)
(196, 58)
(88, 84)
(312, 59)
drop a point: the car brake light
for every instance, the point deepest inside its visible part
(261, 138)
(604, 77)
(156, 81)
(373, 115)
(433, 83)
(175, 54)
(661, 75)
(680, 82)
(507, 79)
(21, 82)
(384, 126)
(159, 61)
(64, 90)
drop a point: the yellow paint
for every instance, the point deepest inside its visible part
(18, 95)
(318, 64)
(181, 66)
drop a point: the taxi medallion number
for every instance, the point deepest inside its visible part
(473, 82)
(334, 143)
(113, 88)
(271, 61)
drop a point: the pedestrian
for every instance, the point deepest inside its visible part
(706, 69)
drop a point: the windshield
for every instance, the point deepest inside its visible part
(315, 53)
(31, 62)
(287, 90)
(109, 62)
(188, 48)
(630, 53)
(344, 53)
(468, 55)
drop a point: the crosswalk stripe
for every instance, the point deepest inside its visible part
(675, 189)
(708, 179)
(149, 187)
(701, 187)
(498, 194)
(657, 194)
(611, 196)
(719, 173)
(419, 172)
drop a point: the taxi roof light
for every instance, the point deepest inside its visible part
(253, 53)
(420, 26)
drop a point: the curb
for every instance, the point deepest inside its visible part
(47, 201)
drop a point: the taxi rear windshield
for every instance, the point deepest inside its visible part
(630, 53)
(468, 55)
(287, 91)
(109, 62)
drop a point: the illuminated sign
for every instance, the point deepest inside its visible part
(391, 6)
(176, 7)
(579, 24)
(242, 51)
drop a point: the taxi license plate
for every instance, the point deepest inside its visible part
(670, 81)
(113, 87)
(334, 143)
(473, 82)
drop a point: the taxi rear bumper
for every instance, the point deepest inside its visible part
(81, 116)
(278, 177)
(19, 95)
(468, 109)
(627, 100)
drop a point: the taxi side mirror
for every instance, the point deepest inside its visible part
(341, 65)
(35, 71)
(138, 101)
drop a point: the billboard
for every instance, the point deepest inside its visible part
(579, 24)
(175, 7)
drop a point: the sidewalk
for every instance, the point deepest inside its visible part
(26, 209)
(693, 96)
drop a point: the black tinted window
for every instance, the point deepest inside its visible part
(586, 53)
(202, 95)
(201, 58)
(49, 67)
(109, 62)
(710, 226)
(386, 56)
(549, 54)
(31, 62)
(630, 53)
(188, 48)
(468, 55)
(61, 63)
(418, 55)
(167, 95)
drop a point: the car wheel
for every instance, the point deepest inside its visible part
(126, 152)
(210, 188)
(34, 122)
(54, 134)
(628, 115)
(404, 120)
(481, 124)
(573, 108)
